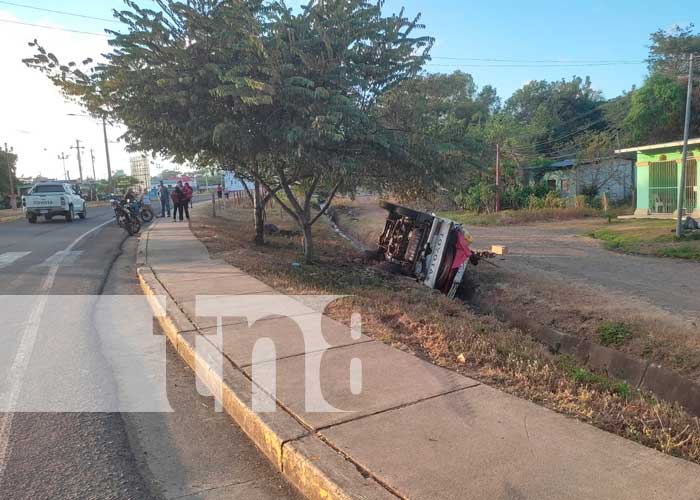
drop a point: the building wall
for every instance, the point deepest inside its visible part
(140, 169)
(613, 176)
(646, 157)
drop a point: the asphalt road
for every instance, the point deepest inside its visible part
(65, 342)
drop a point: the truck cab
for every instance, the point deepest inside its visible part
(48, 199)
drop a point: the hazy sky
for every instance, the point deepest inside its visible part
(468, 34)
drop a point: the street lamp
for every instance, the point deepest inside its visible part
(104, 132)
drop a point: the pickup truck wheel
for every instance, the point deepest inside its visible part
(31, 219)
(83, 214)
(48, 217)
(70, 215)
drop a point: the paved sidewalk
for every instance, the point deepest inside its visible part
(414, 430)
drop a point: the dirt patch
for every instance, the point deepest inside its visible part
(413, 318)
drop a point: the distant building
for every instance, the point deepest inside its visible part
(140, 170)
(613, 176)
(658, 177)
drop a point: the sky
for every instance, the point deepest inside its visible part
(499, 43)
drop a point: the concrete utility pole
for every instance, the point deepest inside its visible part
(498, 177)
(63, 157)
(93, 191)
(13, 195)
(109, 163)
(686, 133)
(77, 148)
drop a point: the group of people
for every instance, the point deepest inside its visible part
(181, 196)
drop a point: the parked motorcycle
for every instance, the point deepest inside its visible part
(126, 217)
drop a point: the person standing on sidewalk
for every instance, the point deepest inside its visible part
(164, 195)
(179, 202)
(187, 189)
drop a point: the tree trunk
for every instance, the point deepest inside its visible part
(259, 208)
(308, 243)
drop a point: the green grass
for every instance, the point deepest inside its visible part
(613, 333)
(649, 237)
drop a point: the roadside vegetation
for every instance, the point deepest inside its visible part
(649, 237)
(413, 318)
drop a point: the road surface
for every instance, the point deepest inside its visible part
(670, 284)
(56, 356)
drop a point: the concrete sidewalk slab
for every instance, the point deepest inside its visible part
(482, 443)
(239, 339)
(389, 379)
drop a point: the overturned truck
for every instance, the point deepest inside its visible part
(435, 250)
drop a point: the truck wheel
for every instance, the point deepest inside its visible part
(48, 217)
(70, 214)
(31, 219)
(83, 214)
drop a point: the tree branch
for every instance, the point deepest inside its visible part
(328, 203)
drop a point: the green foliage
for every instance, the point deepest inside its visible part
(614, 333)
(656, 111)
(7, 160)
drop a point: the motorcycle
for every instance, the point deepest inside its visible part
(126, 217)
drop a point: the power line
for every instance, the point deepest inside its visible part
(555, 61)
(563, 65)
(61, 12)
(43, 26)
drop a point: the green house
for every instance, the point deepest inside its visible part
(658, 176)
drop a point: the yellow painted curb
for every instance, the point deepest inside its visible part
(317, 470)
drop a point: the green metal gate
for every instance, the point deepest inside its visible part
(663, 187)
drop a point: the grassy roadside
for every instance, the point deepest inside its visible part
(9, 215)
(398, 311)
(512, 217)
(648, 237)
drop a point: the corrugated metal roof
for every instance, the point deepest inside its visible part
(657, 146)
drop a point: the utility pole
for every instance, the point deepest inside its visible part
(109, 163)
(684, 160)
(498, 177)
(13, 195)
(77, 148)
(63, 157)
(93, 191)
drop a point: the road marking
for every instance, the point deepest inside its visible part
(63, 258)
(8, 258)
(25, 348)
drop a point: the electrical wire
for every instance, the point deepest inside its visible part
(55, 28)
(567, 65)
(61, 12)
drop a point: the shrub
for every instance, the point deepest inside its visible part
(613, 333)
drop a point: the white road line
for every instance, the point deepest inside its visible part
(63, 258)
(25, 348)
(8, 258)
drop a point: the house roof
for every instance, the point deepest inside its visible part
(657, 146)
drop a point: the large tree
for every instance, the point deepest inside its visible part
(286, 99)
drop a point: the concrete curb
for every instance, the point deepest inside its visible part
(316, 469)
(639, 373)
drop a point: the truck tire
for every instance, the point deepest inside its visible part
(83, 214)
(31, 219)
(70, 214)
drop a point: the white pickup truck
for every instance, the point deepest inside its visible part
(48, 199)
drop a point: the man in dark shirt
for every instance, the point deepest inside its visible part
(164, 199)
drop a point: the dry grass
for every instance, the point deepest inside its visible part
(9, 215)
(400, 312)
(655, 334)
